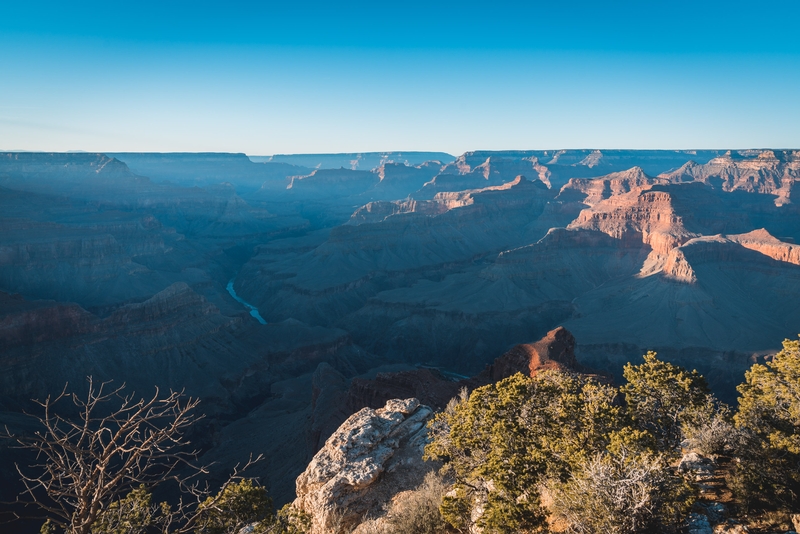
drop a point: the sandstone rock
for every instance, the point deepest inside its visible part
(374, 455)
(762, 241)
(592, 191)
(765, 172)
(554, 351)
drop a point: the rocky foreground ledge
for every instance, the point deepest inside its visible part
(374, 455)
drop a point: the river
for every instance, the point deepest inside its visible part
(253, 309)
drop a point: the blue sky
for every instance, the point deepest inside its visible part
(265, 78)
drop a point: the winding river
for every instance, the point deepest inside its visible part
(253, 309)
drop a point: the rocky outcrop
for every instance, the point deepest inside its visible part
(554, 351)
(726, 249)
(374, 212)
(677, 267)
(372, 456)
(592, 191)
(333, 182)
(762, 171)
(473, 171)
(647, 216)
(762, 241)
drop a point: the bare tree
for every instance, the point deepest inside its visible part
(86, 467)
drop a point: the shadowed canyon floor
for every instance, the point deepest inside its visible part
(393, 274)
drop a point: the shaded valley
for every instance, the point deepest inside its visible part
(288, 292)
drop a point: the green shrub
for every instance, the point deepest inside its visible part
(769, 417)
(238, 504)
(133, 514)
(505, 438)
(289, 520)
(661, 397)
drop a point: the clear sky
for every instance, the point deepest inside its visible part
(291, 77)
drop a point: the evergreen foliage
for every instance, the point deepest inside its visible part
(133, 514)
(769, 416)
(503, 440)
(560, 444)
(661, 397)
(238, 504)
(289, 520)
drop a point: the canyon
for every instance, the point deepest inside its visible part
(381, 276)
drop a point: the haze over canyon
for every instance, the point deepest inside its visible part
(287, 292)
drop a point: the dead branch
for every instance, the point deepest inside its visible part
(117, 443)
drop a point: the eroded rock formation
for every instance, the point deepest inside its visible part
(371, 457)
(554, 351)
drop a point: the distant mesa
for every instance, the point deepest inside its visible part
(355, 160)
(764, 171)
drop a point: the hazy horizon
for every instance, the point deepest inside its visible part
(374, 152)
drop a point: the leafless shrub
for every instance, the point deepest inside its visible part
(710, 429)
(617, 495)
(373, 526)
(418, 512)
(89, 469)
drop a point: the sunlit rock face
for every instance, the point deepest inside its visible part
(767, 172)
(372, 456)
